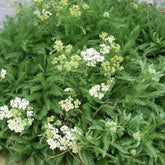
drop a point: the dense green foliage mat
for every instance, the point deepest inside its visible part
(83, 82)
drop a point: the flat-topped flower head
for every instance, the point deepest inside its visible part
(92, 57)
(4, 112)
(69, 104)
(103, 35)
(19, 116)
(75, 11)
(85, 6)
(63, 3)
(62, 138)
(19, 103)
(104, 49)
(58, 45)
(106, 14)
(16, 124)
(3, 73)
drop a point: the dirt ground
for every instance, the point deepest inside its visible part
(2, 160)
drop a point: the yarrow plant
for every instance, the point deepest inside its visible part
(92, 57)
(94, 73)
(19, 116)
(63, 138)
(68, 104)
(100, 90)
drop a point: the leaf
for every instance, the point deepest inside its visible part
(14, 158)
(35, 88)
(39, 48)
(39, 146)
(40, 67)
(125, 76)
(87, 110)
(87, 157)
(119, 147)
(25, 149)
(157, 136)
(59, 159)
(135, 32)
(55, 91)
(43, 112)
(106, 142)
(33, 97)
(97, 127)
(151, 150)
(30, 161)
(69, 161)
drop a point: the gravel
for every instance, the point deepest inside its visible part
(5, 10)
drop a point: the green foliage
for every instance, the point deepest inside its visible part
(122, 125)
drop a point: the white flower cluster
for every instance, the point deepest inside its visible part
(104, 49)
(92, 57)
(69, 90)
(44, 15)
(4, 112)
(16, 124)
(106, 14)
(99, 91)
(65, 142)
(44, 12)
(19, 116)
(3, 73)
(19, 103)
(69, 104)
(110, 39)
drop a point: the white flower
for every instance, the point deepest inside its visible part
(92, 56)
(29, 113)
(68, 105)
(94, 90)
(64, 128)
(3, 73)
(68, 89)
(104, 49)
(106, 14)
(110, 39)
(74, 147)
(37, 12)
(30, 121)
(44, 12)
(91, 63)
(77, 103)
(4, 112)
(18, 119)
(4, 108)
(53, 143)
(65, 141)
(49, 126)
(18, 103)
(16, 124)
(104, 87)
(98, 91)
(100, 95)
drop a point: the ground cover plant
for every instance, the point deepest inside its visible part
(83, 82)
